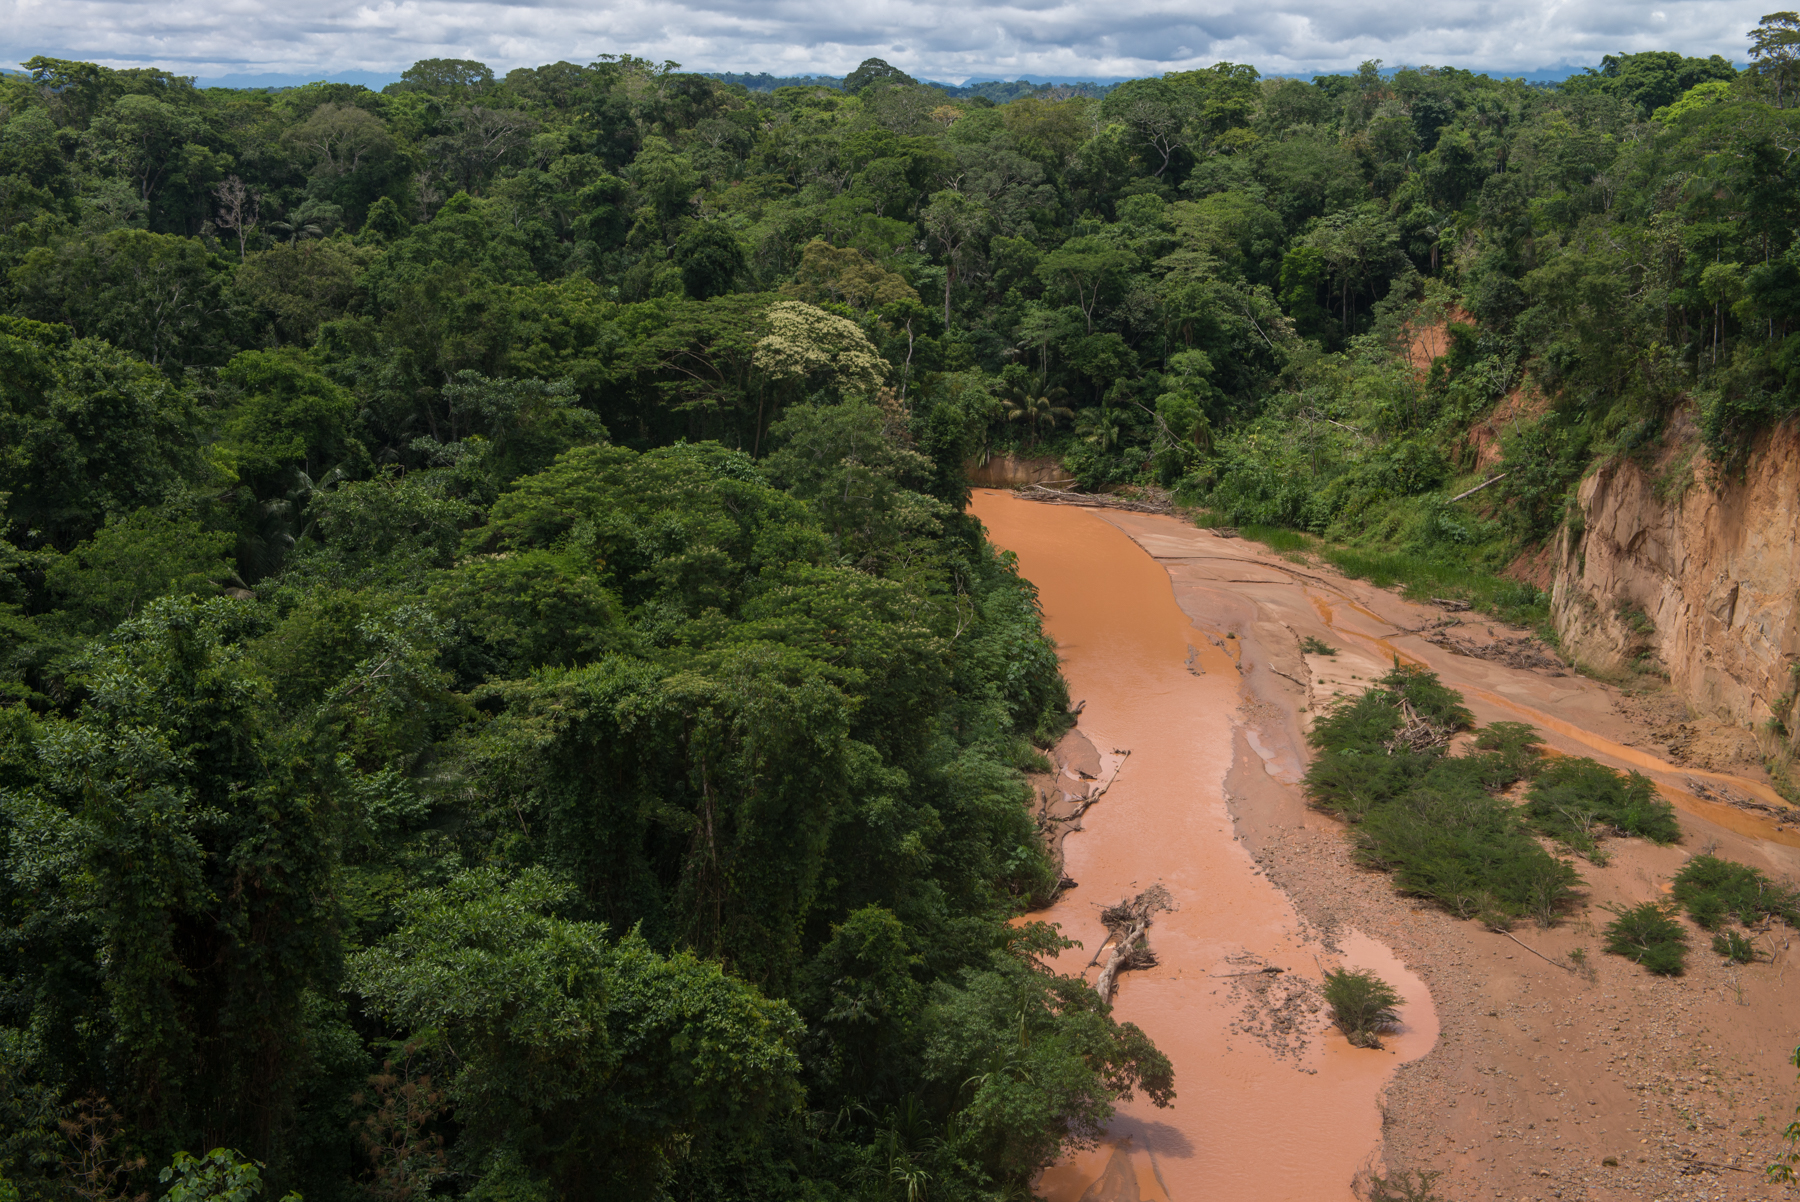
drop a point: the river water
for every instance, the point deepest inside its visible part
(1252, 1121)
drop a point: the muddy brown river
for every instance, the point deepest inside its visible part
(1287, 1113)
(1514, 1075)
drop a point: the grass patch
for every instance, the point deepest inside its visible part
(1647, 935)
(1512, 601)
(1425, 576)
(1278, 538)
(1362, 1005)
(1714, 891)
(1578, 801)
(1311, 646)
(1436, 820)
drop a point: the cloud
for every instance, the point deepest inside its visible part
(940, 39)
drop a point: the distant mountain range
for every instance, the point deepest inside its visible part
(992, 87)
(374, 80)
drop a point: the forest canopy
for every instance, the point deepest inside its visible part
(502, 697)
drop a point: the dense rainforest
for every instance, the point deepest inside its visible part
(501, 696)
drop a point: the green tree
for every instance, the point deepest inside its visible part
(955, 222)
(158, 295)
(449, 78)
(1087, 268)
(710, 259)
(136, 557)
(288, 418)
(189, 841)
(591, 1063)
(222, 1173)
(89, 431)
(873, 71)
(1775, 51)
(1041, 1059)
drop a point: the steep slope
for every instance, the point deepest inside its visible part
(1697, 570)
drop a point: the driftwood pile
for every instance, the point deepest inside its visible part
(1520, 652)
(1127, 928)
(1145, 500)
(1724, 795)
(1417, 733)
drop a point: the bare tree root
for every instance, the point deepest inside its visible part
(1127, 925)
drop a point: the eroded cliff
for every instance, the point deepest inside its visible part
(1678, 568)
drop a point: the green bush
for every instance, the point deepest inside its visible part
(1647, 935)
(1734, 947)
(1312, 646)
(1405, 1185)
(1362, 1005)
(1577, 801)
(1713, 890)
(1431, 818)
(1513, 753)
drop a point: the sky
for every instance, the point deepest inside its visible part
(946, 40)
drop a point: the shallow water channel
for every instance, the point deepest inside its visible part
(1251, 1122)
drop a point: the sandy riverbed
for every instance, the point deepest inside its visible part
(1186, 648)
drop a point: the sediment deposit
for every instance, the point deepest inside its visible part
(1516, 1077)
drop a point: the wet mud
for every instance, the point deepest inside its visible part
(1517, 1076)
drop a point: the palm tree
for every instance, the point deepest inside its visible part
(1037, 411)
(1102, 429)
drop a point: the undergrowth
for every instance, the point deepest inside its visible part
(1403, 1185)
(1440, 822)
(1362, 1005)
(1734, 947)
(1714, 891)
(1577, 801)
(1648, 935)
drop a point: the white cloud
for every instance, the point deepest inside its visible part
(941, 39)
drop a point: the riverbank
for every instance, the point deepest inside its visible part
(1540, 1075)
(1270, 1105)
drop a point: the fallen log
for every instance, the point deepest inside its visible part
(1459, 496)
(1127, 924)
(1058, 496)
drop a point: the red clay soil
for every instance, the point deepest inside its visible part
(1186, 647)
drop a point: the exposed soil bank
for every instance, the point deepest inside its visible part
(1682, 565)
(1010, 471)
(1540, 1075)
(1270, 1104)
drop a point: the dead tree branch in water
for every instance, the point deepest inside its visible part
(1127, 924)
(1096, 795)
(1155, 499)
